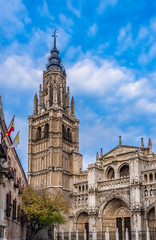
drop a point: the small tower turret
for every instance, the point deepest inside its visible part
(72, 106)
(120, 141)
(40, 99)
(101, 154)
(150, 146)
(142, 143)
(35, 104)
(68, 101)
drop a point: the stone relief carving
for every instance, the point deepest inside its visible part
(135, 180)
(137, 206)
(93, 210)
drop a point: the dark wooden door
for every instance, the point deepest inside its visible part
(87, 230)
(119, 226)
(127, 225)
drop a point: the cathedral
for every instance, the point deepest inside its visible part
(117, 191)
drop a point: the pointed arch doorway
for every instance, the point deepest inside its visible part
(82, 223)
(116, 215)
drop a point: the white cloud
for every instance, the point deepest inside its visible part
(125, 40)
(145, 40)
(143, 33)
(76, 11)
(44, 11)
(146, 106)
(18, 72)
(104, 4)
(92, 30)
(102, 47)
(66, 23)
(153, 24)
(74, 52)
(145, 58)
(97, 76)
(135, 89)
(13, 16)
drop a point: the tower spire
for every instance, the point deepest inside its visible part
(54, 60)
(54, 36)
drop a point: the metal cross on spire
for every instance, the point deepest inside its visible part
(54, 36)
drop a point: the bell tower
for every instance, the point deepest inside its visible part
(53, 145)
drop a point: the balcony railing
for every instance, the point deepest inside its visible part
(111, 183)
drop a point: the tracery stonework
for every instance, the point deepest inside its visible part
(115, 191)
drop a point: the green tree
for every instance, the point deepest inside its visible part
(42, 210)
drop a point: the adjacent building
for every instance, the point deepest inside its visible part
(117, 191)
(12, 182)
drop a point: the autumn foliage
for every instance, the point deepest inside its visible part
(42, 210)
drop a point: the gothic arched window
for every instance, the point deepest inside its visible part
(70, 136)
(145, 178)
(124, 171)
(151, 177)
(110, 173)
(68, 133)
(38, 134)
(64, 131)
(46, 130)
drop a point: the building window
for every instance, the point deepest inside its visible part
(64, 134)
(110, 173)
(145, 178)
(124, 171)
(151, 177)
(18, 214)
(14, 210)
(8, 204)
(46, 130)
(38, 134)
(69, 134)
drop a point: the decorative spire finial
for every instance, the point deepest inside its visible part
(142, 143)
(120, 141)
(101, 154)
(54, 36)
(149, 142)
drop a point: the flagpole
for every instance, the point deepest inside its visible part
(8, 127)
(11, 122)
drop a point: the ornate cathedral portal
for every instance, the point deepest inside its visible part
(116, 215)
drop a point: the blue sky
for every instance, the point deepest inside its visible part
(108, 48)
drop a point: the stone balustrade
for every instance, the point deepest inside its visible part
(113, 183)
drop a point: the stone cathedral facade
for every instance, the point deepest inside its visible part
(117, 191)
